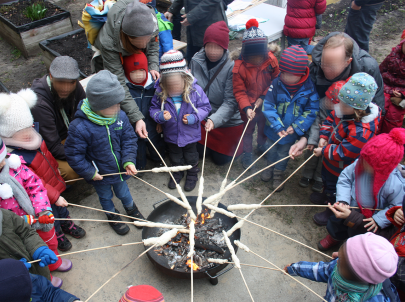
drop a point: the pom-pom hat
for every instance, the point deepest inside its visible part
(254, 41)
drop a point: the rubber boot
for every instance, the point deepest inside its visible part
(322, 218)
(319, 198)
(267, 174)
(278, 178)
(178, 176)
(191, 179)
(119, 228)
(134, 212)
(327, 243)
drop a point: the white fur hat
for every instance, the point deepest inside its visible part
(15, 113)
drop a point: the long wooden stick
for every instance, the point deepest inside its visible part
(117, 273)
(247, 287)
(205, 149)
(89, 250)
(149, 184)
(289, 275)
(308, 205)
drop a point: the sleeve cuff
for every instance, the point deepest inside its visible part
(128, 163)
(161, 117)
(402, 104)
(246, 109)
(191, 119)
(94, 174)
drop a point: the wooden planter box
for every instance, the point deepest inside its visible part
(26, 37)
(3, 88)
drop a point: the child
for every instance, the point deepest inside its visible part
(253, 72)
(290, 107)
(180, 105)
(347, 129)
(373, 181)
(23, 140)
(393, 73)
(313, 168)
(142, 88)
(361, 273)
(102, 141)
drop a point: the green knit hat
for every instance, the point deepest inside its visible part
(358, 91)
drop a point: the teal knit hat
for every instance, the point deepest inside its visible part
(358, 91)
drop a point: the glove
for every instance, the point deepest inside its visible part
(48, 218)
(23, 260)
(318, 22)
(46, 255)
(29, 219)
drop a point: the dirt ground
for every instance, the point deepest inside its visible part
(91, 270)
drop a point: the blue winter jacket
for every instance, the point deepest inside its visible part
(282, 111)
(106, 147)
(44, 291)
(165, 34)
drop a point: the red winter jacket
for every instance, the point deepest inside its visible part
(398, 239)
(300, 20)
(393, 70)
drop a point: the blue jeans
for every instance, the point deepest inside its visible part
(278, 152)
(121, 190)
(304, 43)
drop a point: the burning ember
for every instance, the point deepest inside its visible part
(195, 266)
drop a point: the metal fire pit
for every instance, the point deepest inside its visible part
(168, 210)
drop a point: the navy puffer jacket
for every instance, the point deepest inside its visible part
(109, 147)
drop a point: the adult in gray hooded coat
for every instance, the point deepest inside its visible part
(224, 122)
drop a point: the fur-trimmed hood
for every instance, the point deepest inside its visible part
(272, 47)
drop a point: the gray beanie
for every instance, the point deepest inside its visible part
(104, 90)
(64, 67)
(139, 20)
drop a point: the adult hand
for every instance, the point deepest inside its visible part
(140, 129)
(286, 268)
(371, 225)
(169, 16)
(185, 21)
(155, 74)
(290, 130)
(396, 93)
(399, 217)
(185, 120)
(396, 100)
(310, 147)
(282, 133)
(131, 170)
(318, 152)
(159, 128)
(355, 7)
(340, 209)
(97, 177)
(27, 265)
(61, 202)
(259, 102)
(167, 116)
(322, 143)
(250, 114)
(298, 147)
(209, 125)
(335, 255)
(45, 255)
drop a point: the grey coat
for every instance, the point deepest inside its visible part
(225, 112)
(313, 132)
(109, 43)
(200, 14)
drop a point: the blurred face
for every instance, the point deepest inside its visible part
(63, 87)
(289, 78)
(110, 111)
(25, 135)
(138, 76)
(213, 51)
(255, 60)
(175, 84)
(334, 61)
(140, 42)
(342, 109)
(367, 167)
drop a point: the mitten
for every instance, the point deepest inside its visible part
(29, 219)
(48, 218)
(318, 22)
(23, 260)
(45, 255)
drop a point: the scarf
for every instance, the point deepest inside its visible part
(95, 118)
(352, 291)
(293, 88)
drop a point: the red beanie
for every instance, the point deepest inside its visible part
(142, 293)
(217, 33)
(133, 62)
(333, 91)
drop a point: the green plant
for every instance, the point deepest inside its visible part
(16, 53)
(36, 11)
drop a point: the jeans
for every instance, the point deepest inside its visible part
(218, 158)
(278, 152)
(313, 168)
(191, 51)
(59, 212)
(187, 155)
(121, 190)
(304, 43)
(360, 23)
(329, 184)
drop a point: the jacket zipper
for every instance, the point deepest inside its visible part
(112, 151)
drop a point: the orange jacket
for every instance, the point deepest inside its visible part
(250, 81)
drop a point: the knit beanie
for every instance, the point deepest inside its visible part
(104, 90)
(372, 257)
(217, 33)
(294, 60)
(358, 91)
(333, 91)
(15, 281)
(254, 41)
(173, 61)
(137, 61)
(139, 20)
(142, 293)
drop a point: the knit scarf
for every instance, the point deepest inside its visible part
(95, 118)
(350, 291)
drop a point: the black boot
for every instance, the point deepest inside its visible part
(134, 212)
(119, 228)
(322, 218)
(178, 176)
(72, 229)
(191, 179)
(63, 243)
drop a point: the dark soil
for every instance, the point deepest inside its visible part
(15, 11)
(74, 46)
(2, 87)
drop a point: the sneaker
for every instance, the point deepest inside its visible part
(278, 179)
(178, 176)
(319, 198)
(327, 243)
(119, 228)
(63, 243)
(322, 218)
(57, 282)
(247, 160)
(65, 266)
(191, 179)
(267, 174)
(134, 212)
(70, 228)
(304, 182)
(317, 186)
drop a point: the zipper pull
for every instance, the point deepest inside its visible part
(108, 130)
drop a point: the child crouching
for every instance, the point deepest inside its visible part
(102, 141)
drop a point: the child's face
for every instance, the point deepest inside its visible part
(138, 76)
(213, 51)
(140, 42)
(2, 164)
(367, 167)
(110, 111)
(255, 60)
(344, 267)
(342, 109)
(175, 84)
(289, 78)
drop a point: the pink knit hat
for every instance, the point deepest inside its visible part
(142, 293)
(372, 257)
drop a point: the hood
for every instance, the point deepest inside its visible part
(148, 84)
(272, 47)
(373, 115)
(41, 87)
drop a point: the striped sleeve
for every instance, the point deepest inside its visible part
(348, 150)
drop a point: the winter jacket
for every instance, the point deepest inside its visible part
(174, 130)
(250, 81)
(224, 111)
(346, 137)
(281, 110)
(367, 2)
(19, 240)
(390, 195)
(362, 62)
(300, 20)
(165, 34)
(51, 125)
(398, 239)
(313, 132)
(106, 147)
(44, 291)
(393, 71)
(109, 43)
(200, 14)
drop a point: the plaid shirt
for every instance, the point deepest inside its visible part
(321, 271)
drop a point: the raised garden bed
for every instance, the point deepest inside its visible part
(3, 88)
(73, 44)
(25, 34)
